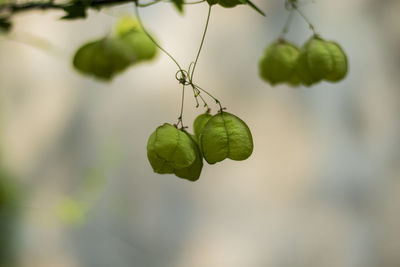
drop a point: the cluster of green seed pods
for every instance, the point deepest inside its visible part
(108, 56)
(175, 151)
(317, 60)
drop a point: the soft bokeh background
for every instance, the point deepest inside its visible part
(321, 188)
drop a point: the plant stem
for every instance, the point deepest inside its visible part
(285, 29)
(202, 42)
(305, 18)
(194, 3)
(152, 39)
(180, 119)
(149, 4)
(210, 95)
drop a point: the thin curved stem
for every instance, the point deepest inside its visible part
(195, 94)
(194, 3)
(198, 94)
(289, 20)
(202, 99)
(152, 39)
(210, 95)
(305, 18)
(149, 4)
(293, 5)
(202, 42)
(180, 119)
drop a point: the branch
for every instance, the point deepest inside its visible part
(15, 7)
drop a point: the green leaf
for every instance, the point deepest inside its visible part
(230, 3)
(254, 7)
(212, 2)
(179, 5)
(5, 25)
(225, 136)
(77, 10)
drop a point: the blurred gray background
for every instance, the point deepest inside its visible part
(321, 188)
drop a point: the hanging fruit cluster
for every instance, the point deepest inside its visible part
(175, 151)
(108, 56)
(317, 60)
(171, 149)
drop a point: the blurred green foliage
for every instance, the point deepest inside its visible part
(9, 215)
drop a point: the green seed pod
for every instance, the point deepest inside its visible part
(225, 136)
(230, 3)
(340, 63)
(141, 45)
(319, 57)
(192, 172)
(170, 150)
(199, 123)
(126, 24)
(321, 60)
(103, 58)
(278, 65)
(303, 70)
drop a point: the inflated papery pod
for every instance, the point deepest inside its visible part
(192, 172)
(103, 58)
(225, 136)
(171, 150)
(321, 60)
(200, 122)
(128, 30)
(278, 64)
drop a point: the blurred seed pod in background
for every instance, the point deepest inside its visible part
(103, 58)
(321, 60)
(278, 64)
(128, 30)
